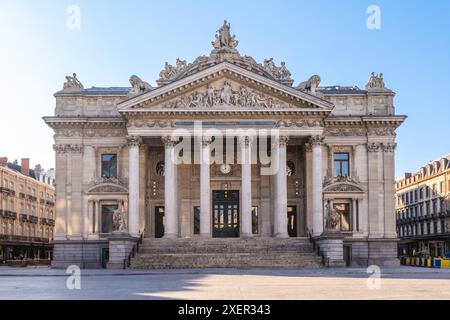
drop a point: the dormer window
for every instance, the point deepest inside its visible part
(109, 165)
(341, 164)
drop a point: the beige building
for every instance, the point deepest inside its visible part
(423, 210)
(27, 201)
(173, 161)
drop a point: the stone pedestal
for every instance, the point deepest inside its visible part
(120, 246)
(332, 246)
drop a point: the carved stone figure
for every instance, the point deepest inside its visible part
(279, 73)
(283, 72)
(72, 83)
(138, 86)
(225, 96)
(375, 82)
(311, 85)
(170, 72)
(224, 39)
(119, 220)
(333, 218)
(226, 93)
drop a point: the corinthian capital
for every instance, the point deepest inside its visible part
(373, 147)
(134, 141)
(316, 140)
(205, 141)
(169, 141)
(245, 141)
(389, 147)
(60, 148)
(76, 148)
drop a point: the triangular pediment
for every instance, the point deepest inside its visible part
(224, 87)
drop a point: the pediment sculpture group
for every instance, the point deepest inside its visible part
(225, 96)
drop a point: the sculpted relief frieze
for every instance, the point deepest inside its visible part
(89, 133)
(345, 132)
(226, 95)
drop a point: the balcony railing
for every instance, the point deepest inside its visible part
(7, 191)
(7, 237)
(32, 198)
(47, 222)
(8, 214)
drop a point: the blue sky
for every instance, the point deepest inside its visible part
(329, 38)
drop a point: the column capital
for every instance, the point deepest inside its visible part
(308, 147)
(280, 141)
(316, 140)
(134, 141)
(170, 141)
(374, 147)
(246, 141)
(206, 140)
(389, 147)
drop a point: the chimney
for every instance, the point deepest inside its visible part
(25, 166)
(3, 161)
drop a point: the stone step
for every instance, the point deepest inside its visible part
(258, 252)
(231, 260)
(225, 246)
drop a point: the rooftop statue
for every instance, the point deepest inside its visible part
(311, 85)
(72, 83)
(138, 86)
(224, 39)
(375, 82)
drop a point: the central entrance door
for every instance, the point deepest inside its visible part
(225, 214)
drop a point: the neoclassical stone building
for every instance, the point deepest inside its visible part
(225, 147)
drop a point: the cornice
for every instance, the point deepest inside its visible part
(64, 122)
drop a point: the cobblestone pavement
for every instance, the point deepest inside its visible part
(396, 283)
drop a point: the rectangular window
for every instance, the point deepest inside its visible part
(341, 164)
(107, 217)
(109, 165)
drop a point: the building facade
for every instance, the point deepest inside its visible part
(225, 147)
(27, 208)
(423, 211)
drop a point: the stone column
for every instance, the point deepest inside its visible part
(354, 213)
(205, 187)
(61, 200)
(374, 190)
(246, 187)
(170, 187)
(317, 176)
(389, 190)
(97, 216)
(133, 159)
(89, 164)
(280, 216)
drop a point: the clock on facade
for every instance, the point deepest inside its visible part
(225, 169)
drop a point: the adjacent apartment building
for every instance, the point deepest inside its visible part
(27, 200)
(423, 210)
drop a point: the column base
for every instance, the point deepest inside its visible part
(170, 236)
(246, 235)
(206, 235)
(282, 235)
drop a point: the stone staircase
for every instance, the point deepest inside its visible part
(225, 253)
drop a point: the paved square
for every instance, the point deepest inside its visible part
(399, 283)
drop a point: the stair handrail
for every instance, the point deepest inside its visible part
(135, 249)
(316, 248)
